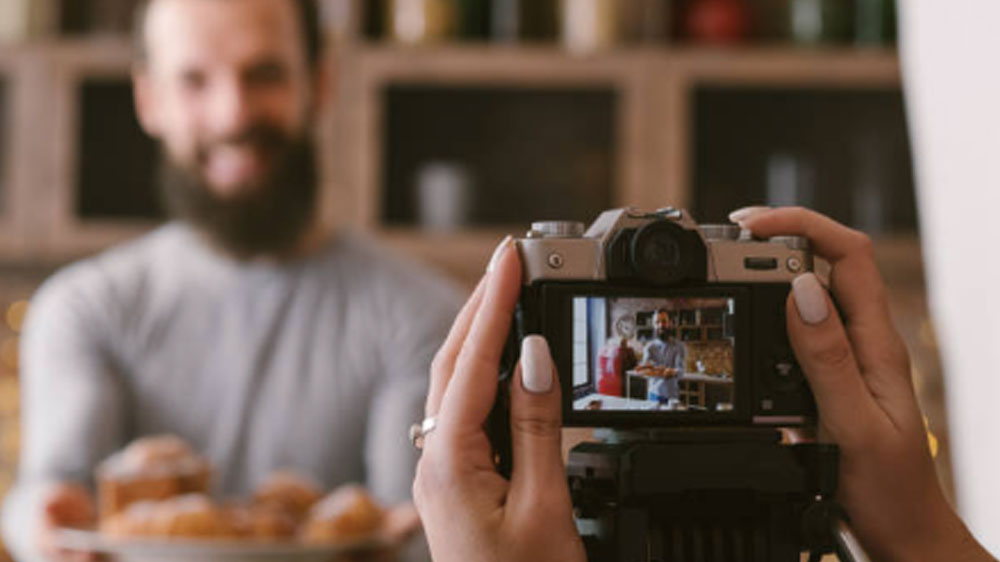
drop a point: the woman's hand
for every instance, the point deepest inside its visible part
(859, 371)
(469, 511)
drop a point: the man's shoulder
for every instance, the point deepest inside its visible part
(365, 264)
(114, 273)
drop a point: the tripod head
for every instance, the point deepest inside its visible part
(704, 495)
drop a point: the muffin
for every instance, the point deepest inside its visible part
(288, 491)
(191, 516)
(347, 515)
(262, 523)
(151, 468)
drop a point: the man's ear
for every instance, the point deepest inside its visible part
(146, 108)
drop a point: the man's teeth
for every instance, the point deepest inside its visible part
(232, 164)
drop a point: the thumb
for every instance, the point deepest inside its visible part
(69, 505)
(535, 419)
(816, 333)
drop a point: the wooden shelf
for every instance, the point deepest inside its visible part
(847, 67)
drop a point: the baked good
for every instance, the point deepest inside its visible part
(288, 491)
(263, 523)
(347, 515)
(192, 516)
(151, 468)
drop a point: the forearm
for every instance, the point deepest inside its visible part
(956, 543)
(21, 519)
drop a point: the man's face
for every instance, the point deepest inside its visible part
(662, 325)
(227, 88)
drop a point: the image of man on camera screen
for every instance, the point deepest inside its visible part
(666, 351)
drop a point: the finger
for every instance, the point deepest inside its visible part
(69, 505)
(858, 286)
(847, 410)
(444, 362)
(472, 389)
(401, 523)
(535, 419)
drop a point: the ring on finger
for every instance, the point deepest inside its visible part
(420, 431)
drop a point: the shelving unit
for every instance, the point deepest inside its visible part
(651, 168)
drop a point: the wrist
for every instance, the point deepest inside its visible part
(948, 539)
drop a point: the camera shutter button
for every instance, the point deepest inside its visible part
(558, 229)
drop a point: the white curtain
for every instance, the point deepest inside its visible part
(951, 70)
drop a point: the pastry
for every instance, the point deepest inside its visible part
(151, 468)
(347, 515)
(288, 491)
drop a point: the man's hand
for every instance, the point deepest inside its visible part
(859, 371)
(469, 511)
(65, 505)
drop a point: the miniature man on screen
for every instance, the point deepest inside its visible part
(665, 350)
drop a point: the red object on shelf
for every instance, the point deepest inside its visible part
(717, 21)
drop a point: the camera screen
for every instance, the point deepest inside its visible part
(653, 354)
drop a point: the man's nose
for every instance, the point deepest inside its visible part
(231, 109)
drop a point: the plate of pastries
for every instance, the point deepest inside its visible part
(154, 505)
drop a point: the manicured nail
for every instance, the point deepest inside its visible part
(740, 215)
(810, 298)
(536, 365)
(501, 249)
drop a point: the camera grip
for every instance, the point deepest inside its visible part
(498, 423)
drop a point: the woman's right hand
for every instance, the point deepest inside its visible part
(469, 511)
(859, 372)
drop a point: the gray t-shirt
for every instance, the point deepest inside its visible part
(319, 364)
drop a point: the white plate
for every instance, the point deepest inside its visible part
(151, 550)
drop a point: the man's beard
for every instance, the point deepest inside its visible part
(266, 219)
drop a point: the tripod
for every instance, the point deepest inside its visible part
(708, 495)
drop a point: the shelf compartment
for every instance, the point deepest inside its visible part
(843, 152)
(527, 153)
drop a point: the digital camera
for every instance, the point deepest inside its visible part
(656, 321)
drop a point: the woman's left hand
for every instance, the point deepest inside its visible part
(469, 511)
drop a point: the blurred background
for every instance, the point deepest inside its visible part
(458, 121)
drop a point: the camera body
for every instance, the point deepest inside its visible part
(654, 321)
(672, 335)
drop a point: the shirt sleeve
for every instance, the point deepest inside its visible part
(415, 322)
(71, 409)
(647, 358)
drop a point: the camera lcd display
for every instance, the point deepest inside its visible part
(653, 354)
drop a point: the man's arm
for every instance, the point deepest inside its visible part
(71, 407)
(647, 354)
(680, 362)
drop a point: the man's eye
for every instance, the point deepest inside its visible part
(266, 74)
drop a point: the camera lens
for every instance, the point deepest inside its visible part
(661, 253)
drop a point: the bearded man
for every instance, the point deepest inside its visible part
(243, 325)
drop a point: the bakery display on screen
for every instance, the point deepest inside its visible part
(158, 488)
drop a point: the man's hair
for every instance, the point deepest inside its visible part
(312, 34)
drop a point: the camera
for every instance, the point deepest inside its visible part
(656, 321)
(670, 336)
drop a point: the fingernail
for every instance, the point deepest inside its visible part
(536, 365)
(810, 298)
(501, 248)
(740, 215)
